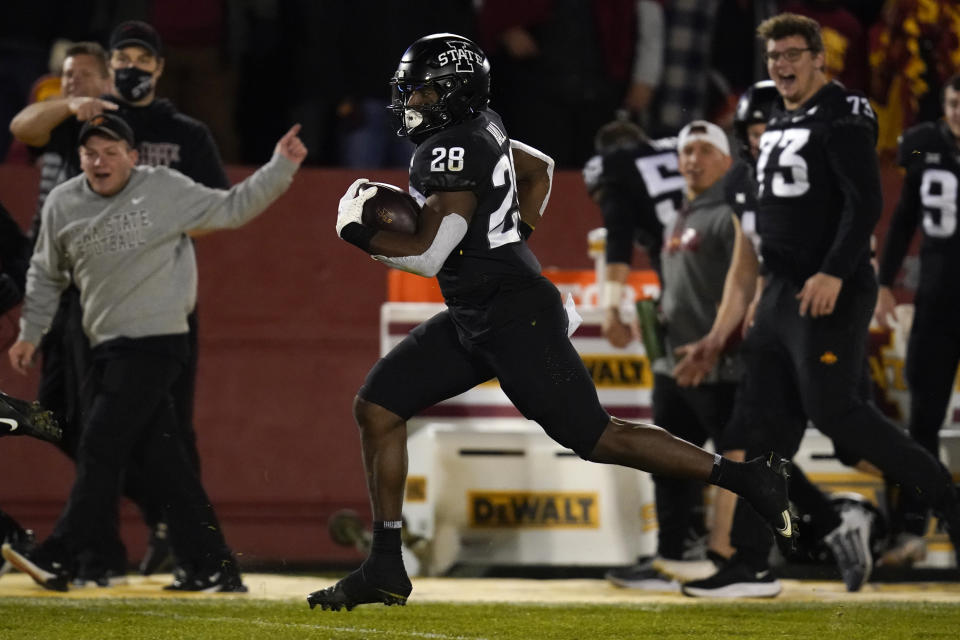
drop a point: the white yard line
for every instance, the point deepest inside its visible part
(392, 633)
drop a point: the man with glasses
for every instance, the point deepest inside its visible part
(819, 198)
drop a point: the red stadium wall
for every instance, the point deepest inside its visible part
(288, 328)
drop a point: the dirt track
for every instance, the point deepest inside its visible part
(279, 587)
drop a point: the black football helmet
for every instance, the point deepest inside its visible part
(619, 133)
(458, 71)
(755, 105)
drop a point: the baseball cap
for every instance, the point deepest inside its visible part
(135, 33)
(706, 131)
(108, 124)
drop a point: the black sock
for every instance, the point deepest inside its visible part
(755, 559)
(386, 539)
(728, 474)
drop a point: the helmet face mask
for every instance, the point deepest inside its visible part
(455, 69)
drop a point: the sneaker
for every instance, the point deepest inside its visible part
(850, 545)
(685, 570)
(904, 550)
(92, 572)
(158, 555)
(768, 495)
(19, 538)
(108, 578)
(363, 586)
(225, 579)
(948, 513)
(22, 418)
(735, 580)
(642, 576)
(46, 572)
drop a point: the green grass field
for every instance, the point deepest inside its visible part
(74, 619)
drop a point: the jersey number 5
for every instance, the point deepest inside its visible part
(788, 143)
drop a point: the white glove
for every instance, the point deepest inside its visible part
(350, 208)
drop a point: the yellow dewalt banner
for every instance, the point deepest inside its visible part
(610, 371)
(533, 510)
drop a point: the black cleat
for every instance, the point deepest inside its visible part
(158, 555)
(358, 588)
(92, 570)
(46, 572)
(768, 495)
(22, 418)
(223, 579)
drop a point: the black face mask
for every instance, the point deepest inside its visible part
(133, 84)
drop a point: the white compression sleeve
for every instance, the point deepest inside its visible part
(539, 155)
(452, 229)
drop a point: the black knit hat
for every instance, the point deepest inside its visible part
(135, 33)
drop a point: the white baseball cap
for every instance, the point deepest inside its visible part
(706, 131)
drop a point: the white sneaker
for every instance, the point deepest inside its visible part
(642, 576)
(906, 549)
(850, 544)
(685, 570)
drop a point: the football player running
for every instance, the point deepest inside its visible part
(503, 319)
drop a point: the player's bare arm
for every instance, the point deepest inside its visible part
(534, 171)
(32, 126)
(614, 329)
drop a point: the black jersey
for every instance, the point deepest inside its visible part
(167, 138)
(59, 161)
(929, 198)
(492, 260)
(819, 187)
(641, 191)
(740, 192)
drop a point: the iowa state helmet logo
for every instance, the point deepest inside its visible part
(460, 53)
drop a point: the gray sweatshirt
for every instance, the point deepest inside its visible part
(129, 253)
(697, 249)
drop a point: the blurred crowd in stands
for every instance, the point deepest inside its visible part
(248, 68)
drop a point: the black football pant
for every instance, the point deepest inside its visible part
(131, 424)
(66, 364)
(138, 487)
(822, 359)
(695, 415)
(7, 526)
(65, 350)
(933, 354)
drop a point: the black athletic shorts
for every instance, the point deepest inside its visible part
(531, 356)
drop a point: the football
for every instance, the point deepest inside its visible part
(390, 209)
